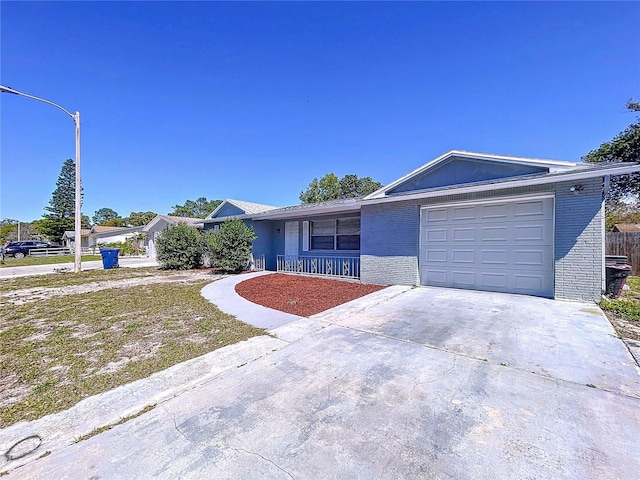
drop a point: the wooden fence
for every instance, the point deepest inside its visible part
(625, 244)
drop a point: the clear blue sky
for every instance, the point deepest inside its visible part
(253, 100)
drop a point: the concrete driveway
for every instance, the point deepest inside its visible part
(404, 383)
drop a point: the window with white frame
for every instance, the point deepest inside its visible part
(335, 234)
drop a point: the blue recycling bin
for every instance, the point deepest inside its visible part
(109, 257)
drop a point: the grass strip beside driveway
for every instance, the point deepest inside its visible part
(29, 261)
(57, 351)
(69, 278)
(624, 312)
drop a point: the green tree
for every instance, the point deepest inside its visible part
(326, 188)
(136, 219)
(625, 147)
(199, 208)
(353, 187)
(61, 209)
(230, 246)
(330, 187)
(622, 213)
(179, 247)
(104, 215)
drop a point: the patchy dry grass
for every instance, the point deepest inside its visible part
(69, 278)
(624, 312)
(61, 349)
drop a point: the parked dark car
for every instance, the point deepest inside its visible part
(21, 249)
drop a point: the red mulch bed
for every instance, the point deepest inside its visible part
(300, 295)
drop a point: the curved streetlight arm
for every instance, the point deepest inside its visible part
(77, 249)
(4, 89)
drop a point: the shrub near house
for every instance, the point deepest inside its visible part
(180, 247)
(230, 246)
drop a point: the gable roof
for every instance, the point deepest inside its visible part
(341, 205)
(71, 234)
(171, 219)
(246, 207)
(545, 172)
(627, 227)
(542, 164)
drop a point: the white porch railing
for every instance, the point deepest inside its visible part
(346, 267)
(259, 262)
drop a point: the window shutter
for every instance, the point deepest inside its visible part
(305, 236)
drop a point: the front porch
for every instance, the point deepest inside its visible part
(343, 267)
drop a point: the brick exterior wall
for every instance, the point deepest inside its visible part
(579, 241)
(390, 239)
(389, 243)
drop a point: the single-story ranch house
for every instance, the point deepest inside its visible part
(99, 235)
(153, 229)
(464, 220)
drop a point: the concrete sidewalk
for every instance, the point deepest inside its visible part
(126, 262)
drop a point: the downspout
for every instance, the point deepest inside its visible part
(605, 190)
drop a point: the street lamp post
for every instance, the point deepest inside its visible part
(77, 249)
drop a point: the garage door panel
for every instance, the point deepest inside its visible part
(436, 235)
(466, 234)
(525, 283)
(463, 278)
(437, 277)
(493, 257)
(531, 257)
(437, 215)
(493, 212)
(463, 256)
(494, 280)
(529, 233)
(506, 246)
(463, 213)
(531, 209)
(434, 255)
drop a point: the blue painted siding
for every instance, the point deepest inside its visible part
(458, 171)
(228, 210)
(579, 234)
(389, 243)
(264, 244)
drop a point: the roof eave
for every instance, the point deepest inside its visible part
(551, 164)
(513, 183)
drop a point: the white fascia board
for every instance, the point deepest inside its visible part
(152, 223)
(244, 216)
(562, 177)
(553, 165)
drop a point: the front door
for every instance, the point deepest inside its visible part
(291, 233)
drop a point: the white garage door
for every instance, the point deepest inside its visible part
(504, 246)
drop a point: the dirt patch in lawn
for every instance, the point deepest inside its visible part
(300, 295)
(60, 343)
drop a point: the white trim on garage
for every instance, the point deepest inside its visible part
(502, 245)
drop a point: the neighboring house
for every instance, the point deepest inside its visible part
(464, 220)
(159, 223)
(627, 227)
(69, 238)
(230, 208)
(100, 235)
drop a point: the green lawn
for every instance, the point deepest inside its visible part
(60, 346)
(27, 261)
